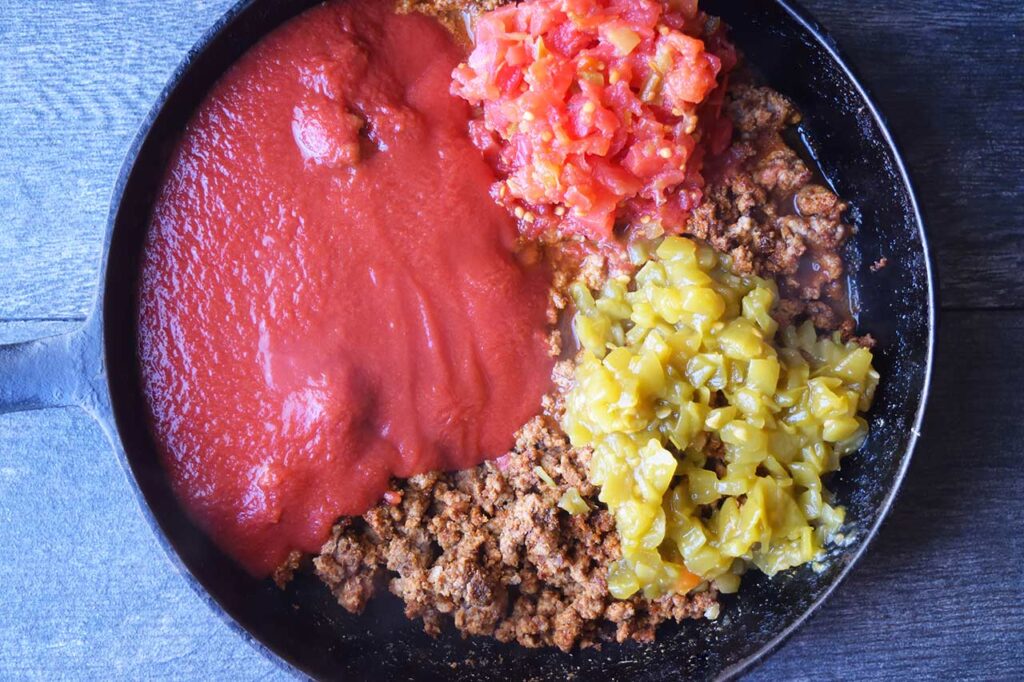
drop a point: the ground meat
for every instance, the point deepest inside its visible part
(764, 208)
(284, 573)
(755, 110)
(451, 13)
(489, 549)
(436, 8)
(354, 567)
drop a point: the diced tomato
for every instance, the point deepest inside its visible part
(567, 40)
(601, 109)
(617, 180)
(693, 71)
(686, 581)
(508, 79)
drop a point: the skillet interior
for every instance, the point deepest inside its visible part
(305, 627)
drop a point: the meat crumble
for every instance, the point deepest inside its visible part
(490, 549)
(764, 208)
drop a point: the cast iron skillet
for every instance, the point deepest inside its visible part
(96, 367)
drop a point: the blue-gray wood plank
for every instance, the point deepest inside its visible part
(87, 592)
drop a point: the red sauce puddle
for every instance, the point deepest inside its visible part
(311, 328)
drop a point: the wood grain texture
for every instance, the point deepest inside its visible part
(87, 591)
(76, 81)
(949, 76)
(77, 78)
(25, 330)
(940, 594)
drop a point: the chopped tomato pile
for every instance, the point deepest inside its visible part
(598, 112)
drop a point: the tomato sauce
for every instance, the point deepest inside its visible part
(329, 296)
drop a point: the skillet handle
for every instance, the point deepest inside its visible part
(54, 371)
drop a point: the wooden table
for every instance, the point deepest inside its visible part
(86, 589)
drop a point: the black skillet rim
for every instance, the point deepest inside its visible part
(95, 328)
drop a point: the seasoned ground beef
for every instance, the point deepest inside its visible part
(763, 208)
(490, 549)
(451, 13)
